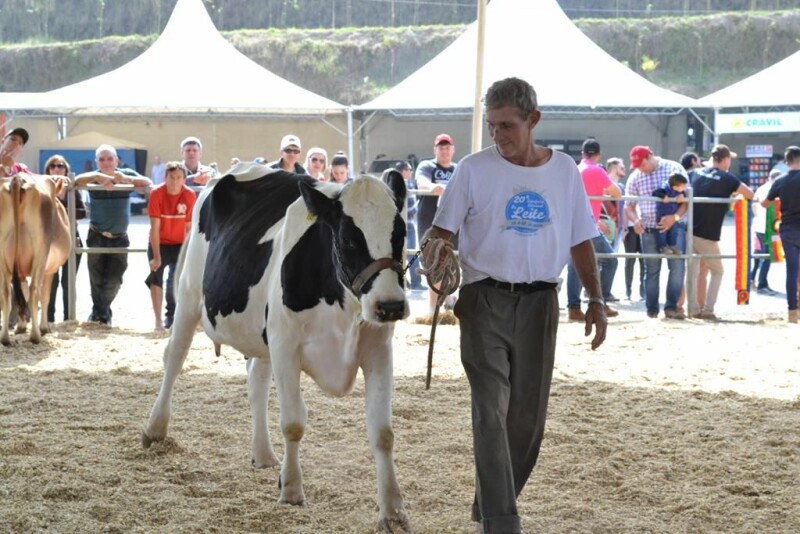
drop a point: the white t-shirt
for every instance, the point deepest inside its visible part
(516, 224)
(760, 213)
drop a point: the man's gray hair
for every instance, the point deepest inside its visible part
(105, 148)
(511, 92)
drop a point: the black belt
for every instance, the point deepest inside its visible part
(524, 287)
(109, 235)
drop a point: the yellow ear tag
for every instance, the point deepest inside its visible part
(357, 317)
(310, 217)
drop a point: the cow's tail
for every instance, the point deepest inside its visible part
(19, 295)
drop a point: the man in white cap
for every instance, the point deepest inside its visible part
(290, 155)
(196, 172)
(10, 150)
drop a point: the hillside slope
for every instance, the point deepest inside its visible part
(692, 55)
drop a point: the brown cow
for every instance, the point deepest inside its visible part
(34, 242)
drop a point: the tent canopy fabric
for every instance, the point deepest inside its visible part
(772, 87)
(93, 140)
(189, 69)
(535, 41)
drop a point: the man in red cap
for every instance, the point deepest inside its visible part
(10, 150)
(650, 171)
(433, 175)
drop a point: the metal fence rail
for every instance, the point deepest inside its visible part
(688, 256)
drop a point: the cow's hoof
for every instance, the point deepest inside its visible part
(147, 440)
(21, 329)
(264, 461)
(294, 501)
(36, 338)
(5, 340)
(401, 523)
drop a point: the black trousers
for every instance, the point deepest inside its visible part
(508, 343)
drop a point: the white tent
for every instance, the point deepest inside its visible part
(771, 87)
(536, 41)
(190, 69)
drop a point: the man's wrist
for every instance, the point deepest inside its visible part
(597, 300)
(677, 217)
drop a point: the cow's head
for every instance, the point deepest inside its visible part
(369, 239)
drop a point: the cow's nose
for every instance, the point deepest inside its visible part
(392, 310)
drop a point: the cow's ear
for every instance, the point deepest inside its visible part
(318, 204)
(395, 181)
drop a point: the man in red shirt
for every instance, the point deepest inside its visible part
(596, 182)
(170, 209)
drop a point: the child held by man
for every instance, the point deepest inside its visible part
(673, 188)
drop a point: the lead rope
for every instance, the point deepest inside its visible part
(439, 265)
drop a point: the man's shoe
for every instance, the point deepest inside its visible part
(652, 314)
(766, 290)
(575, 314)
(611, 298)
(794, 316)
(610, 312)
(707, 316)
(674, 314)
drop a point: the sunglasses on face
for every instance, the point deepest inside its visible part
(318, 160)
(291, 150)
(57, 166)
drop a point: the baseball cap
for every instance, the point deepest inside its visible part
(289, 140)
(720, 152)
(22, 132)
(591, 147)
(638, 154)
(191, 141)
(442, 139)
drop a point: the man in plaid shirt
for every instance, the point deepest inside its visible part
(650, 172)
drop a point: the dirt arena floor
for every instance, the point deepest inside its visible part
(671, 426)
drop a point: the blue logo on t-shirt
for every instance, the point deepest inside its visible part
(526, 213)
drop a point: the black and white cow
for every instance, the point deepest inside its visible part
(298, 275)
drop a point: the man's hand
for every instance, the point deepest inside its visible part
(437, 190)
(596, 315)
(638, 227)
(603, 227)
(120, 178)
(666, 222)
(434, 256)
(155, 263)
(106, 181)
(201, 178)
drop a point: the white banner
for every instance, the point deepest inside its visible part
(787, 121)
